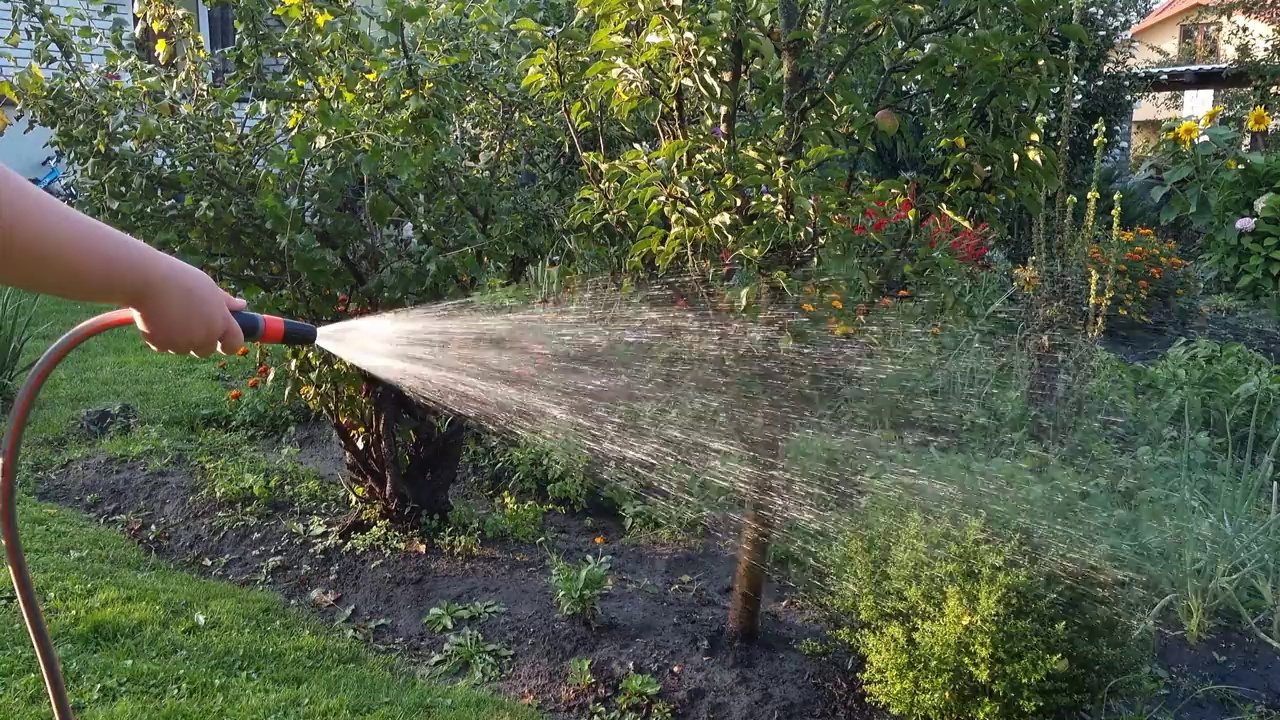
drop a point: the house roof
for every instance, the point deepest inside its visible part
(1267, 11)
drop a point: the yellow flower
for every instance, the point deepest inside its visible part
(1212, 115)
(1232, 164)
(323, 17)
(1186, 133)
(292, 2)
(1258, 119)
(806, 307)
(837, 304)
(371, 76)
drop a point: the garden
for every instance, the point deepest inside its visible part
(770, 360)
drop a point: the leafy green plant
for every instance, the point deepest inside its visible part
(1204, 178)
(580, 675)
(514, 520)
(446, 616)
(17, 313)
(636, 699)
(636, 691)
(952, 625)
(467, 652)
(578, 588)
(554, 470)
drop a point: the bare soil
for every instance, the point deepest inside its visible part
(664, 616)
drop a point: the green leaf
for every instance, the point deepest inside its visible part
(13, 38)
(527, 24)
(1158, 192)
(1075, 33)
(1175, 174)
(7, 92)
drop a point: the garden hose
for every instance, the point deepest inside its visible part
(257, 328)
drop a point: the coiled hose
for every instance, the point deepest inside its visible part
(257, 328)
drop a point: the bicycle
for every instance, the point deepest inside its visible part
(54, 181)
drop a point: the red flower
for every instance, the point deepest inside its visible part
(254, 382)
(264, 370)
(881, 224)
(859, 230)
(343, 299)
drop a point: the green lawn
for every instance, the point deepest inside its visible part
(140, 639)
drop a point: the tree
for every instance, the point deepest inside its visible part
(743, 133)
(342, 161)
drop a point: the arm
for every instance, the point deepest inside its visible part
(47, 247)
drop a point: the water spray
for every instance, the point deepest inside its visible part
(257, 328)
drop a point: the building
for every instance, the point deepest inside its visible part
(23, 147)
(1186, 40)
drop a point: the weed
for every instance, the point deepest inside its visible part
(467, 652)
(580, 676)
(579, 587)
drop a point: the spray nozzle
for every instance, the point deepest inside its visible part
(274, 330)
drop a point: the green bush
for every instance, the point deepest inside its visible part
(952, 625)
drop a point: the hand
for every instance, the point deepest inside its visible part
(182, 310)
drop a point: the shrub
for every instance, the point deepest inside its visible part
(17, 313)
(952, 626)
(578, 588)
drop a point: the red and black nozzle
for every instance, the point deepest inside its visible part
(274, 330)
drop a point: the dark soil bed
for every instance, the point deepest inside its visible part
(663, 617)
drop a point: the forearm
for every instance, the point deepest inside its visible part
(47, 247)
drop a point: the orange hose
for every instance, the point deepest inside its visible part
(22, 584)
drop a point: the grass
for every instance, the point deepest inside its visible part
(139, 638)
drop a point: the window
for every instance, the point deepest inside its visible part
(222, 28)
(1198, 43)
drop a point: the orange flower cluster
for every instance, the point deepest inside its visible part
(1145, 271)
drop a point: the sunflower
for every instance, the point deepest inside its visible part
(1186, 133)
(1212, 115)
(1258, 120)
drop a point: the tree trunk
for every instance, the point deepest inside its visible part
(748, 579)
(408, 459)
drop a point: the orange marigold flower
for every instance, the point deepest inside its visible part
(254, 382)
(904, 293)
(837, 304)
(1157, 273)
(1146, 231)
(599, 540)
(806, 307)
(1144, 284)
(936, 330)
(242, 352)
(235, 395)
(886, 302)
(1121, 268)
(264, 370)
